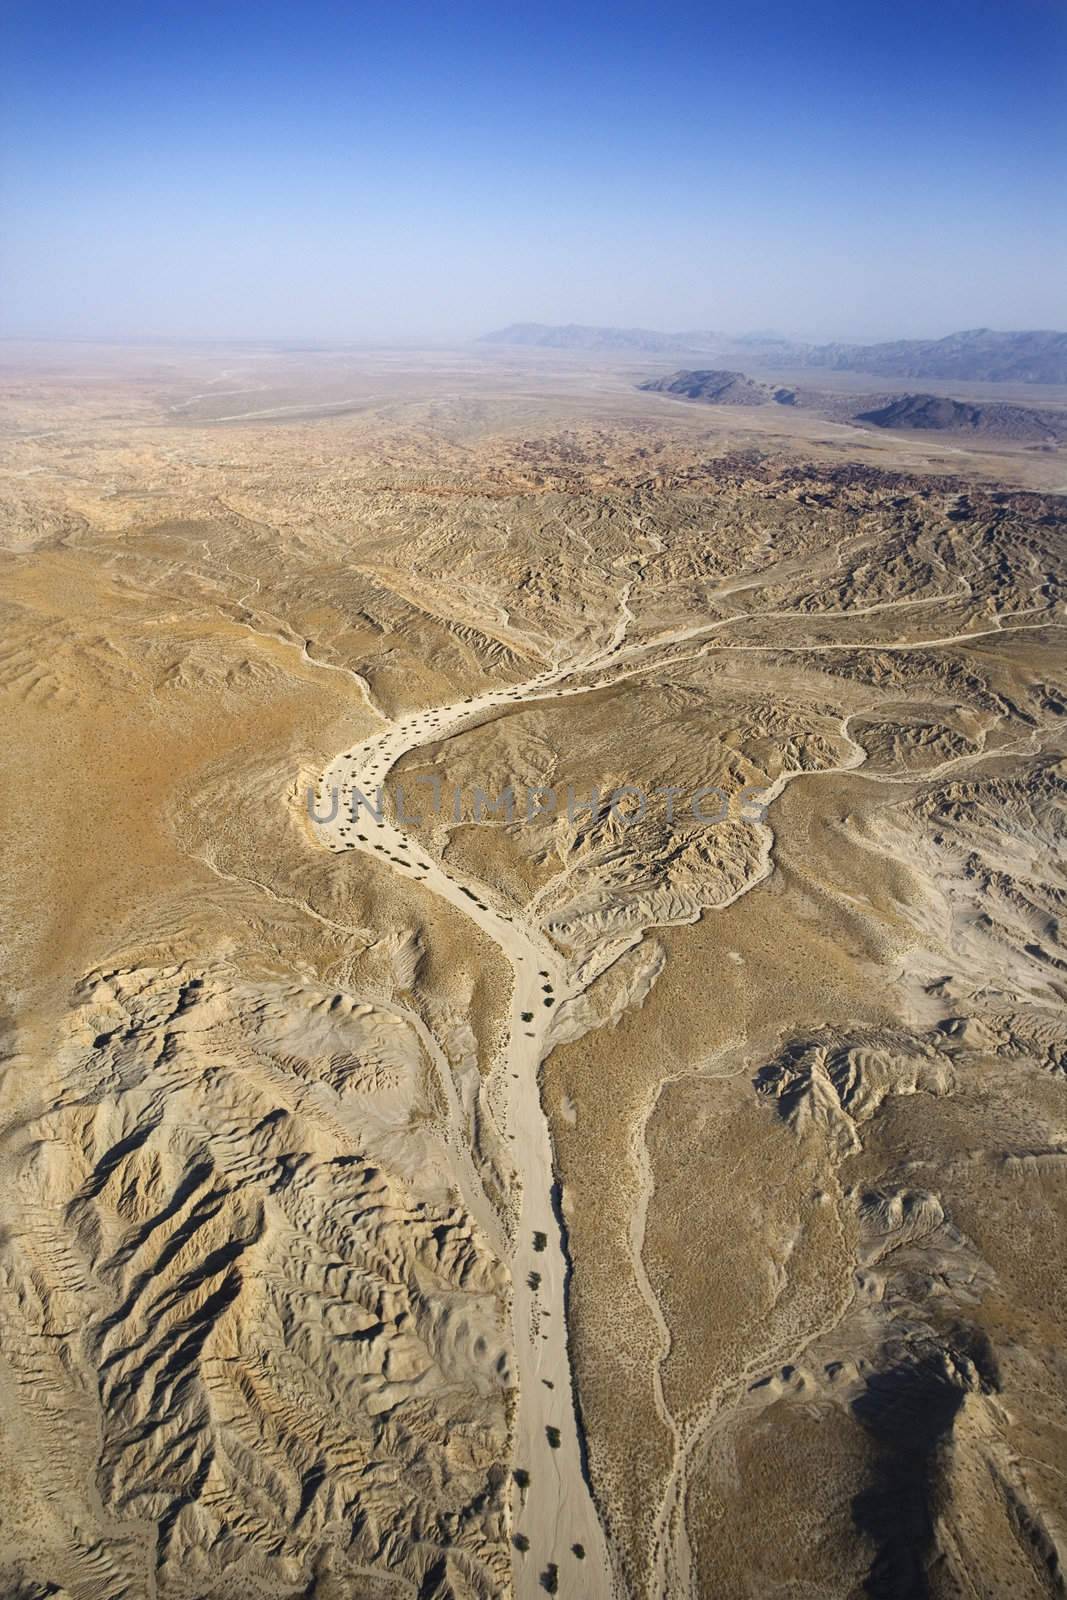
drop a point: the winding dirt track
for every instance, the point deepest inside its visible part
(552, 1507)
(559, 1536)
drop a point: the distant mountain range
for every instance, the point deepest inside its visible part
(978, 355)
(578, 336)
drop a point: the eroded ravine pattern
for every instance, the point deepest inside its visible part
(560, 1538)
(553, 1511)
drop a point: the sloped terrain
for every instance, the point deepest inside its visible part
(720, 387)
(653, 1189)
(979, 355)
(958, 416)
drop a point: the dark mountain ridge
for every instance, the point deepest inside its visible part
(719, 387)
(936, 411)
(905, 412)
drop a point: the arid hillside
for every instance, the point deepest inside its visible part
(534, 1034)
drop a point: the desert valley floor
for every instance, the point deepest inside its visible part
(625, 1202)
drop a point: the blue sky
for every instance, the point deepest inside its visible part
(428, 171)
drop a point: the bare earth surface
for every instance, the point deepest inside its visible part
(424, 1201)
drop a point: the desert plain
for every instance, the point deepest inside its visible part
(403, 1202)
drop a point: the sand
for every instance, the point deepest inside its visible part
(471, 1206)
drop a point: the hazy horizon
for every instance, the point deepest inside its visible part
(336, 175)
